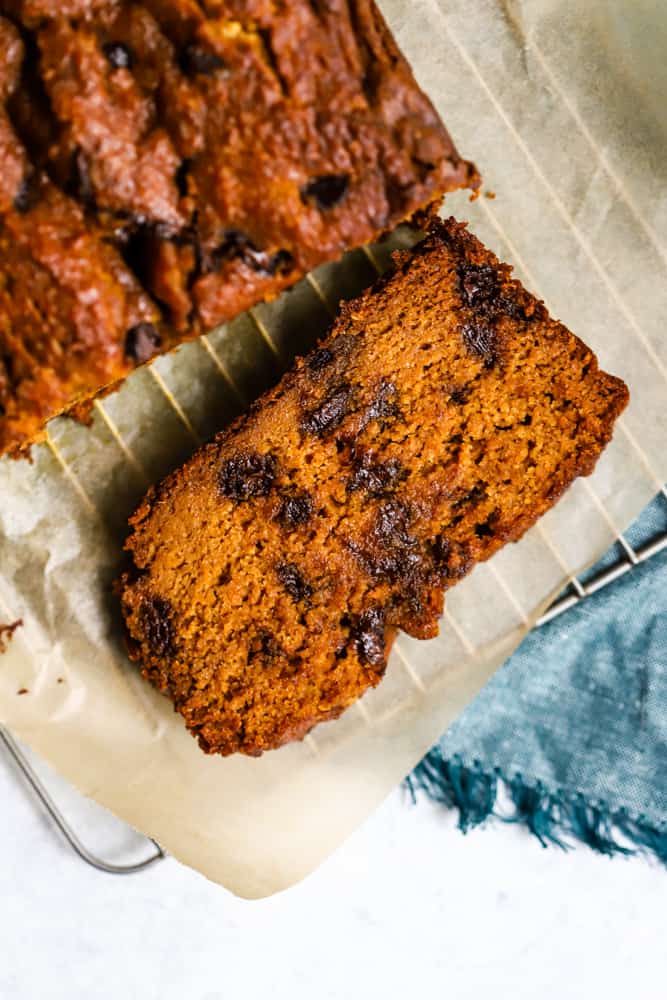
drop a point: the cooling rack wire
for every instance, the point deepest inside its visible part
(626, 557)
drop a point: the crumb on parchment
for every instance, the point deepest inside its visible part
(7, 631)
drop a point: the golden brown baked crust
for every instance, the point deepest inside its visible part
(443, 414)
(208, 155)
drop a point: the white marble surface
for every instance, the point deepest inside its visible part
(407, 907)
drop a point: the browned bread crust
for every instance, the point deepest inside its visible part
(443, 414)
(165, 165)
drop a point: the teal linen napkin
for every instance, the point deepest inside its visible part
(575, 723)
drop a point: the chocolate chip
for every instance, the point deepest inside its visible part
(237, 246)
(281, 263)
(28, 193)
(264, 646)
(195, 59)
(234, 244)
(395, 547)
(441, 551)
(326, 190)
(142, 342)
(367, 633)
(479, 285)
(385, 404)
(293, 581)
(119, 55)
(376, 478)
(338, 348)
(295, 510)
(484, 530)
(320, 359)
(156, 614)
(482, 341)
(330, 413)
(480, 290)
(511, 308)
(451, 559)
(247, 475)
(389, 551)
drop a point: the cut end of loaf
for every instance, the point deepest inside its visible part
(443, 414)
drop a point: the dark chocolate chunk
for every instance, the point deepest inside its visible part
(479, 285)
(480, 290)
(119, 55)
(234, 244)
(247, 475)
(295, 510)
(28, 193)
(293, 581)
(487, 528)
(156, 614)
(237, 246)
(375, 477)
(281, 262)
(389, 551)
(326, 190)
(367, 633)
(385, 404)
(511, 308)
(330, 413)
(320, 359)
(339, 349)
(196, 59)
(451, 560)
(142, 342)
(481, 340)
(484, 530)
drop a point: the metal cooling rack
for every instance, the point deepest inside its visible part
(62, 824)
(628, 559)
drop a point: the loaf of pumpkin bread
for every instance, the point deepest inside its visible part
(442, 415)
(166, 164)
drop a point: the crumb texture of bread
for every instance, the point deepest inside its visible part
(442, 415)
(165, 165)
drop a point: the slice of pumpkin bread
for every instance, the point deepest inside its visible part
(442, 415)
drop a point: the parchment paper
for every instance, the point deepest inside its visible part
(559, 104)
